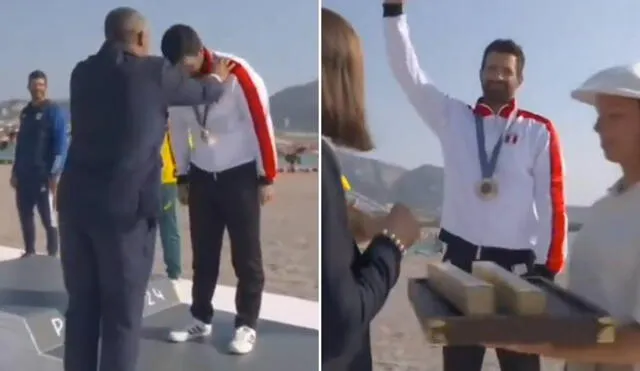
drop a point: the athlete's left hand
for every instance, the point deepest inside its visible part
(266, 193)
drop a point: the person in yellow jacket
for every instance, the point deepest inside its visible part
(168, 222)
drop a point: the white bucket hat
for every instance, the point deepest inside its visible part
(621, 81)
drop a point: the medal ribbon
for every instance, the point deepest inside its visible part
(201, 118)
(488, 165)
(206, 69)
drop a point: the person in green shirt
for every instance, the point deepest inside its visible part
(168, 222)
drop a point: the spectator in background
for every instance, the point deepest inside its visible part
(41, 146)
(168, 222)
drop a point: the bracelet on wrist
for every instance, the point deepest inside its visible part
(395, 240)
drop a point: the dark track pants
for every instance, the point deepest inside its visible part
(169, 232)
(106, 270)
(32, 195)
(462, 254)
(228, 199)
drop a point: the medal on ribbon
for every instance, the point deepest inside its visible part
(488, 187)
(205, 135)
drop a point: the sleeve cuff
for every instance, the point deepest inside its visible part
(263, 181)
(392, 10)
(383, 240)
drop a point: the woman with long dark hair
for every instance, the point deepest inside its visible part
(355, 284)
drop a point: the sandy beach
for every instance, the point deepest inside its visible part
(289, 236)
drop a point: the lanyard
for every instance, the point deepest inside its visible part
(201, 118)
(488, 164)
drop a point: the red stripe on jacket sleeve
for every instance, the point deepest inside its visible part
(557, 249)
(556, 255)
(260, 117)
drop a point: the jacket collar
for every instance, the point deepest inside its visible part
(42, 104)
(483, 110)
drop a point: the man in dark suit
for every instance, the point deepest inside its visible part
(109, 192)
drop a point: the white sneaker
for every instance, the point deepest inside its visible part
(243, 340)
(196, 330)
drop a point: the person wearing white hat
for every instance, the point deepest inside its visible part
(604, 267)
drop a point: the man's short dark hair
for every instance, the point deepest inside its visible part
(37, 74)
(505, 46)
(180, 41)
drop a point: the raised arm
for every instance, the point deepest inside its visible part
(256, 102)
(180, 89)
(549, 195)
(431, 104)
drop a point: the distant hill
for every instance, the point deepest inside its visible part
(370, 177)
(420, 188)
(293, 109)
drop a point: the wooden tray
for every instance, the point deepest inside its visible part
(569, 320)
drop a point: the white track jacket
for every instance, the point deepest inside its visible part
(240, 122)
(529, 211)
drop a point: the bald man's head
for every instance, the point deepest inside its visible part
(127, 26)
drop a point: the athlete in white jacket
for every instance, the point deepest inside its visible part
(509, 208)
(226, 159)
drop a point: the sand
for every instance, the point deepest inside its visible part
(289, 236)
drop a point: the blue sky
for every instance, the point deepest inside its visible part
(278, 37)
(564, 41)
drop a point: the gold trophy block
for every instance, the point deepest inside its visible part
(470, 295)
(512, 293)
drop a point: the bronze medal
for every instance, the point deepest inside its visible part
(487, 189)
(205, 134)
(206, 137)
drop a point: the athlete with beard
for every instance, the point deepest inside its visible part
(503, 172)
